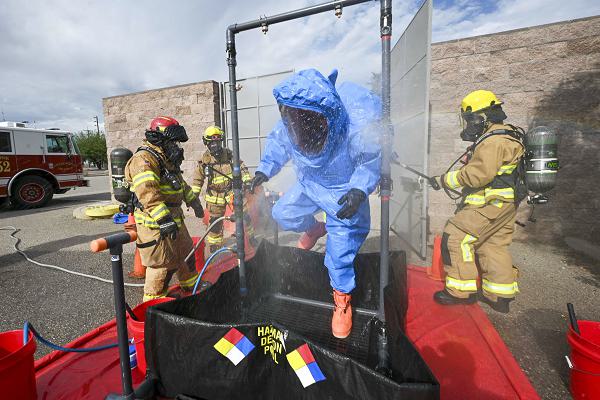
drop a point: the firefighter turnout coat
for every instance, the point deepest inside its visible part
(482, 229)
(157, 197)
(218, 175)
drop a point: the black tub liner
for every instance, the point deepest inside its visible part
(180, 335)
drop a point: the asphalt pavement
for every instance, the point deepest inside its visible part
(63, 306)
(60, 306)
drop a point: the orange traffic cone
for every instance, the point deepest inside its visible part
(436, 270)
(139, 271)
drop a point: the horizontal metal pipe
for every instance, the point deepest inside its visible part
(321, 304)
(287, 16)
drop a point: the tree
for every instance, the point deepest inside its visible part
(92, 147)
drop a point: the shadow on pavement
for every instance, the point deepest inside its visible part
(47, 247)
(58, 203)
(549, 329)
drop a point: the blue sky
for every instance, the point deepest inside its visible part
(60, 58)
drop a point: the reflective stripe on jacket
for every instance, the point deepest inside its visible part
(496, 156)
(156, 194)
(218, 174)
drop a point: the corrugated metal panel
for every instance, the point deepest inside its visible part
(257, 115)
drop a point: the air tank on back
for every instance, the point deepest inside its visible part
(118, 160)
(542, 159)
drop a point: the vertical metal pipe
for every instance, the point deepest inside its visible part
(116, 253)
(237, 173)
(383, 363)
(386, 145)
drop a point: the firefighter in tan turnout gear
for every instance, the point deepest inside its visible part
(154, 176)
(482, 229)
(216, 168)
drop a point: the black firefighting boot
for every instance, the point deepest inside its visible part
(502, 305)
(446, 299)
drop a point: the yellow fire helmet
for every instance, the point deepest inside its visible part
(478, 101)
(213, 133)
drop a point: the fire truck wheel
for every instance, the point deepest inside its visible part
(31, 192)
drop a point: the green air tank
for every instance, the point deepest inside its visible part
(118, 160)
(541, 144)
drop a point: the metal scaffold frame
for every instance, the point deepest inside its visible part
(386, 140)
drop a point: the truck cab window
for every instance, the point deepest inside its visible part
(57, 144)
(74, 145)
(5, 144)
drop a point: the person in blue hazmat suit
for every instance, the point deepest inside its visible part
(332, 137)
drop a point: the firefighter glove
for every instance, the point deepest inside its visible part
(259, 179)
(197, 207)
(168, 227)
(351, 201)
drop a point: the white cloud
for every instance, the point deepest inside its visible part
(59, 58)
(465, 19)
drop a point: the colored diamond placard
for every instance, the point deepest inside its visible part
(304, 365)
(234, 345)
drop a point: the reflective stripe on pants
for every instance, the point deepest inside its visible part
(469, 285)
(467, 248)
(481, 235)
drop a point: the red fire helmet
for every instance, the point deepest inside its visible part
(159, 124)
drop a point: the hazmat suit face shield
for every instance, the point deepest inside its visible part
(307, 129)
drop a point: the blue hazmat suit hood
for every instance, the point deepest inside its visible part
(310, 90)
(350, 157)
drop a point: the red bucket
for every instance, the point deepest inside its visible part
(585, 360)
(136, 329)
(17, 376)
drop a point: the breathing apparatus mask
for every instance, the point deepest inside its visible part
(474, 124)
(213, 140)
(307, 129)
(215, 147)
(174, 153)
(167, 139)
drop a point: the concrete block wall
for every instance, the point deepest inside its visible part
(195, 106)
(546, 74)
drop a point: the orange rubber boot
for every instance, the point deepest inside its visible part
(309, 238)
(341, 323)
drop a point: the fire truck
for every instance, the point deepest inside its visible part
(37, 163)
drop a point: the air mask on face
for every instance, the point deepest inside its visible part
(474, 128)
(174, 153)
(215, 147)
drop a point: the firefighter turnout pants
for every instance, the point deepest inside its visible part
(215, 236)
(215, 211)
(164, 257)
(479, 237)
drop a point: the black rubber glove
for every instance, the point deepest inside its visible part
(168, 227)
(259, 179)
(351, 201)
(197, 207)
